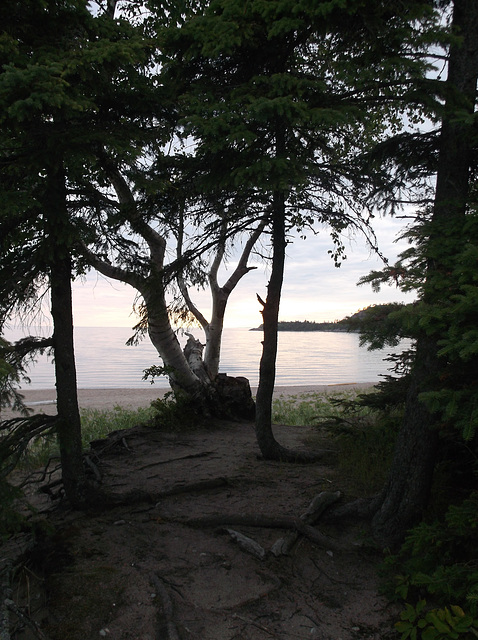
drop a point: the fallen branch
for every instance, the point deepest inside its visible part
(316, 508)
(203, 454)
(247, 544)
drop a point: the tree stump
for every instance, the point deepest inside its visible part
(234, 397)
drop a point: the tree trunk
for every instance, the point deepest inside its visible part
(182, 379)
(69, 422)
(214, 330)
(408, 488)
(270, 448)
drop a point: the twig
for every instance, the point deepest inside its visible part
(203, 454)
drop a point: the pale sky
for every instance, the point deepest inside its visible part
(313, 288)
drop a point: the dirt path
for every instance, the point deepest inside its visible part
(167, 569)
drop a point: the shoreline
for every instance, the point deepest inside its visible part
(44, 400)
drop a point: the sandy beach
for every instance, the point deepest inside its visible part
(44, 400)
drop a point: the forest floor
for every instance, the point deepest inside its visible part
(168, 566)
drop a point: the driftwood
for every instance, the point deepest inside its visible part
(316, 508)
(301, 525)
(247, 544)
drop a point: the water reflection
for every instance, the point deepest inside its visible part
(104, 361)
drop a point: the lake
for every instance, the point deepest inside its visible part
(304, 358)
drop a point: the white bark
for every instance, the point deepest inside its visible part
(220, 295)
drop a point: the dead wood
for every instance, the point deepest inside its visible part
(202, 454)
(316, 508)
(247, 544)
(167, 607)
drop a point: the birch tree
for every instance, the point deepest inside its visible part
(282, 99)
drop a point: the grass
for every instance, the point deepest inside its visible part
(95, 424)
(363, 437)
(307, 409)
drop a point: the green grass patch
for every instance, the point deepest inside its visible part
(95, 425)
(362, 437)
(309, 408)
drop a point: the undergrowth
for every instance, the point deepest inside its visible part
(363, 436)
(438, 563)
(307, 408)
(95, 424)
(172, 414)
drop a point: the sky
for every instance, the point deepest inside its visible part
(314, 289)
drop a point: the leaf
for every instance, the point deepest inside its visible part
(441, 626)
(430, 634)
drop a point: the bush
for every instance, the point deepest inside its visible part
(364, 435)
(176, 414)
(438, 561)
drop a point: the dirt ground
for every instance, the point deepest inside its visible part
(167, 567)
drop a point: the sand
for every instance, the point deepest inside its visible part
(44, 400)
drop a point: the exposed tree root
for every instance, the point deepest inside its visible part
(282, 454)
(296, 526)
(167, 605)
(26, 620)
(319, 504)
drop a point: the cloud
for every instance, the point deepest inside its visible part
(313, 289)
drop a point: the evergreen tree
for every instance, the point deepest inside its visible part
(281, 97)
(441, 383)
(55, 109)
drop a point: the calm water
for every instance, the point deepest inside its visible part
(104, 361)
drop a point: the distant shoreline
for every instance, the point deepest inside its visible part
(306, 326)
(44, 400)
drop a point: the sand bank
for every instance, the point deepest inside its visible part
(44, 400)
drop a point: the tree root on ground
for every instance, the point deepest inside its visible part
(167, 606)
(297, 526)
